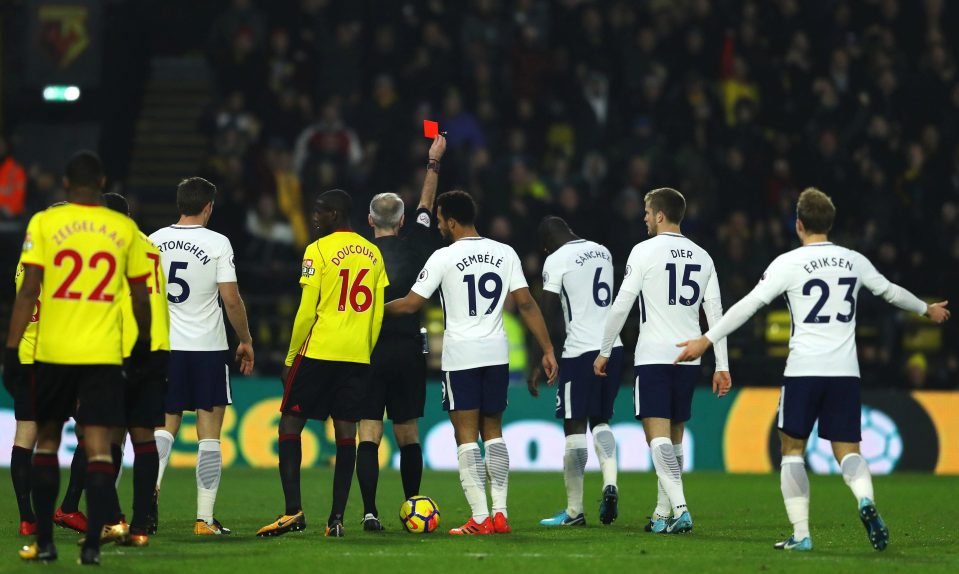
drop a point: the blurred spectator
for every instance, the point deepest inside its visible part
(13, 183)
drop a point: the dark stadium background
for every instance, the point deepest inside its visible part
(567, 107)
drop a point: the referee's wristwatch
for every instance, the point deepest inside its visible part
(433, 165)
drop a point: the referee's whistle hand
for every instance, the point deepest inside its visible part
(244, 356)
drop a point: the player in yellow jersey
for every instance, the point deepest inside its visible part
(77, 257)
(19, 382)
(146, 384)
(327, 367)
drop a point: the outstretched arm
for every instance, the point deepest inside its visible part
(732, 320)
(407, 305)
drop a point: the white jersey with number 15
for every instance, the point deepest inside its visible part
(672, 276)
(196, 260)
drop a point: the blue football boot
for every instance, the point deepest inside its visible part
(804, 545)
(564, 519)
(875, 527)
(680, 525)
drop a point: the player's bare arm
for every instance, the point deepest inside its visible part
(428, 195)
(23, 304)
(533, 318)
(552, 315)
(407, 305)
(140, 297)
(722, 383)
(236, 313)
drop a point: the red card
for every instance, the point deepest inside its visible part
(431, 129)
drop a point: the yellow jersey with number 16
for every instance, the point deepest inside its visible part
(87, 253)
(349, 273)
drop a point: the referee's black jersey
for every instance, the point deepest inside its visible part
(404, 256)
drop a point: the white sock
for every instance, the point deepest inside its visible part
(574, 467)
(855, 472)
(604, 443)
(164, 446)
(472, 478)
(497, 467)
(795, 489)
(662, 500)
(209, 465)
(670, 476)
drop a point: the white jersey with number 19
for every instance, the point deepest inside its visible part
(473, 276)
(195, 260)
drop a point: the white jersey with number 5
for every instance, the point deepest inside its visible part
(671, 276)
(821, 282)
(473, 276)
(581, 273)
(195, 260)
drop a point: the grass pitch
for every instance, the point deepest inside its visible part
(737, 519)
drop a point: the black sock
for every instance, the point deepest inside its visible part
(342, 477)
(46, 486)
(116, 454)
(411, 468)
(101, 500)
(146, 465)
(78, 476)
(291, 455)
(367, 474)
(20, 473)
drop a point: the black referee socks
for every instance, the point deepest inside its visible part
(368, 474)
(411, 468)
(342, 476)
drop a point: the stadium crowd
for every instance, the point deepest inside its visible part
(578, 108)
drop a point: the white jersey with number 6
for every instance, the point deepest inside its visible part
(473, 276)
(820, 282)
(581, 273)
(195, 260)
(671, 276)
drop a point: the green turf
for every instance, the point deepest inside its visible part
(737, 519)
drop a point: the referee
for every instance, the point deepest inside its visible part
(398, 366)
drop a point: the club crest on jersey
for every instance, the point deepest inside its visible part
(308, 270)
(422, 276)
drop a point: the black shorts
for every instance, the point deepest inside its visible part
(145, 396)
(317, 389)
(397, 380)
(665, 391)
(834, 401)
(22, 391)
(198, 380)
(95, 392)
(580, 393)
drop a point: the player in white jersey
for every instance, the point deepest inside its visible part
(672, 277)
(200, 272)
(474, 275)
(820, 282)
(578, 282)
